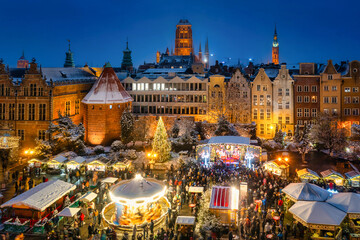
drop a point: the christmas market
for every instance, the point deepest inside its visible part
(75, 163)
(354, 178)
(333, 176)
(56, 162)
(306, 175)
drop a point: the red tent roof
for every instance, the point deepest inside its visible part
(222, 198)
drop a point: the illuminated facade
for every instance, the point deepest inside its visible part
(283, 104)
(217, 97)
(183, 38)
(275, 49)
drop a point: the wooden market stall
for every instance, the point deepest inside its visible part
(121, 165)
(354, 178)
(307, 174)
(280, 168)
(186, 225)
(331, 175)
(37, 203)
(35, 163)
(322, 219)
(56, 162)
(94, 164)
(224, 203)
(75, 163)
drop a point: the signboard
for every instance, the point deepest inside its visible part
(243, 191)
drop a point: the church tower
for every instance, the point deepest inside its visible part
(207, 55)
(200, 54)
(69, 60)
(275, 49)
(22, 62)
(183, 39)
(126, 63)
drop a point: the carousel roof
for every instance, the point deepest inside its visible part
(306, 192)
(348, 202)
(229, 140)
(137, 188)
(317, 213)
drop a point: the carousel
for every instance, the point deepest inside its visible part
(135, 202)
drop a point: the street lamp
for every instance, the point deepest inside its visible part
(152, 156)
(29, 152)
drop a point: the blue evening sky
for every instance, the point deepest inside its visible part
(308, 30)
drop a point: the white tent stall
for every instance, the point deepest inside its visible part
(305, 192)
(109, 180)
(69, 212)
(89, 197)
(185, 220)
(75, 163)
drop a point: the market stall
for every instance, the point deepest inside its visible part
(90, 196)
(349, 203)
(110, 180)
(56, 162)
(121, 165)
(305, 192)
(353, 178)
(75, 163)
(322, 219)
(186, 225)
(96, 165)
(39, 202)
(307, 174)
(193, 189)
(280, 168)
(331, 175)
(224, 203)
(35, 163)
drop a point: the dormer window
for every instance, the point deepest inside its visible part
(330, 77)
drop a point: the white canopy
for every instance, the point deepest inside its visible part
(89, 197)
(317, 213)
(109, 180)
(196, 189)
(306, 192)
(41, 196)
(229, 140)
(347, 201)
(69, 212)
(185, 220)
(78, 159)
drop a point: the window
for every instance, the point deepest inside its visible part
(326, 110)
(299, 88)
(355, 100)
(31, 112)
(299, 99)
(313, 112)
(314, 88)
(287, 120)
(261, 102)
(255, 100)
(280, 119)
(326, 99)
(306, 88)
(264, 87)
(287, 105)
(67, 108)
(326, 88)
(261, 114)
(268, 128)
(330, 77)
(280, 92)
(333, 99)
(245, 94)
(41, 92)
(279, 104)
(42, 112)
(314, 99)
(41, 135)
(347, 89)
(299, 112)
(355, 89)
(355, 111)
(255, 114)
(258, 88)
(347, 111)
(268, 114)
(12, 111)
(2, 111)
(306, 99)
(347, 100)
(334, 111)
(334, 88)
(21, 111)
(77, 106)
(262, 129)
(287, 92)
(268, 100)
(306, 112)
(21, 134)
(33, 90)
(299, 122)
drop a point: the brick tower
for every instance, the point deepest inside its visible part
(183, 38)
(103, 108)
(275, 49)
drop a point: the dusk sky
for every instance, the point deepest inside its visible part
(308, 30)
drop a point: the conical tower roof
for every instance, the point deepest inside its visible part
(107, 89)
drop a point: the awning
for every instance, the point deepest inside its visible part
(69, 212)
(348, 202)
(185, 220)
(109, 180)
(89, 197)
(196, 189)
(226, 198)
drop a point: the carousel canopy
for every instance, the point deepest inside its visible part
(306, 192)
(69, 212)
(307, 173)
(137, 188)
(347, 201)
(185, 220)
(109, 180)
(226, 198)
(317, 213)
(330, 172)
(229, 140)
(41, 196)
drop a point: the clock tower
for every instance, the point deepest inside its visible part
(275, 49)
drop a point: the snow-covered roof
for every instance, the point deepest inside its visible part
(272, 72)
(330, 172)
(306, 192)
(60, 158)
(193, 189)
(348, 202)
(109, 180)
(78, 159)
(89, 197)
(229, 140)
(41, 196)
(352, 174)
(107, 89)
(63, 74)
(69, 212)
(317, 213)
(307, 173)
(185, 220)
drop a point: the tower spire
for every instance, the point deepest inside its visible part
(69, 60)
(126, 63)
(275, 48)
(69, 45)
(127, 43)
(207, 55)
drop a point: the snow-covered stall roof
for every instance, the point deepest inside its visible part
(352, 174)
(305, 192)
(185, 220)
(317, 213)
(78, 160)
(226, 198)
(89, 197)
(109, 180)
(229, 140)
(59, 158)
(41, 196)
(331, 174)
(348, 202)
(193, 189)
(69, 212)
(107, 89)
(307, 173)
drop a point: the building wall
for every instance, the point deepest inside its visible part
(217, 97)
(183, 40)
(262, 105)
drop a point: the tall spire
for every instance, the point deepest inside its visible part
(200, 48)
(275, 48)
(275, 33)
(207, 55)
(200, 54)
(127, 43)
(69, 60)
(207, 45)
(126, 63)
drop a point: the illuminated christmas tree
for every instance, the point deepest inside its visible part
(161, 146)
